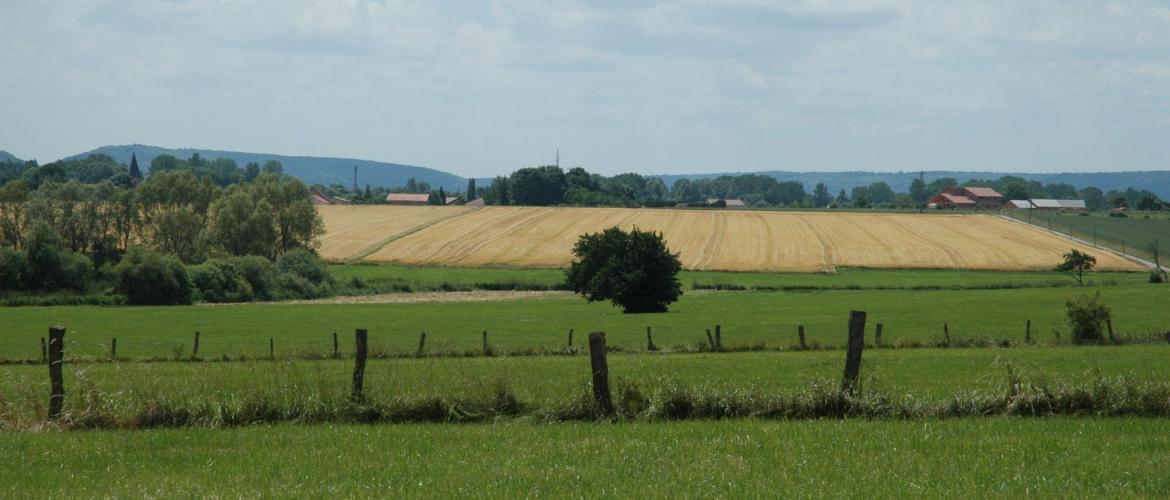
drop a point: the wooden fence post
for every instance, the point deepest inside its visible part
(1028, 332)
(56, 381)
(487, 349)
(800, 331)
(853, 355)
(44, 351)
(570, 337)
(361, 348)
(1109, 328)
(422, 342)
(710, 339)
(336, 353)
(946, 335)
(718, 337)
(600, 372)
(195, 346)
(271, 348)
(877, 335)
(114, 348)
(650, 341)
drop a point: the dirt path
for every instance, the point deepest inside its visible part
(424, 297)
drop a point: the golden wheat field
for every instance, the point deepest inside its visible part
(705, 239)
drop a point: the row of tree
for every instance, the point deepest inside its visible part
(549, 185)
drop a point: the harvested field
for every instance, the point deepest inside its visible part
(705, 240)
(355, 229)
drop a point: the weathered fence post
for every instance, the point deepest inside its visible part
(710, 339)
(361, 348)
(718, 337)
(1028, 332)
(271, 348)
(650, 341)
(336, 353)
(1109, 328)
(853, 355)
(114, 348)
(56, 381)
(44, 351)
(877, 335)
(800, 332)
(570, 338)
(600, 372)
(946, 335)
(487, 349)
(422, 342)
(195, 346)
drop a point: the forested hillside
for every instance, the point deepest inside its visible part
(311, 170)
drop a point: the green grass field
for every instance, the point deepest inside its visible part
(402, 278)
(923, 374)
(1135, 234)
(747, 319)
(996, 457)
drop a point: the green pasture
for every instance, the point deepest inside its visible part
(414, 278)
(991, 457)
(749, 320)
(923, 374)
(1135, 234)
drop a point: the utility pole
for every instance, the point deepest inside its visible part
(355, 178)
(558, 157)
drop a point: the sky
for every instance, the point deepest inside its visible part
(480, 88)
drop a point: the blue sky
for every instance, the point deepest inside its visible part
(481, 88)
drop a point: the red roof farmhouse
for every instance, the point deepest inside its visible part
(967, 198)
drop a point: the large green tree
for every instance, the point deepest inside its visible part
(634, 270)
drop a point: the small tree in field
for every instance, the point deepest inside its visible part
(1076, 263)
(1085, 316)
(634, 270)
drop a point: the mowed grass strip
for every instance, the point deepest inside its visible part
(429, 278)
(998, 457)
(739, 240)
(747, 319)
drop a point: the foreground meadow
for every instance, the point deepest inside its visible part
(1008, 457)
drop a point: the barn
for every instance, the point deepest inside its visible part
(967, 198)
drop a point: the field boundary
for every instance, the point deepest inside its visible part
(386, 241)
(1131, 258)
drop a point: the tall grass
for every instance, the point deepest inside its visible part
(287, 394)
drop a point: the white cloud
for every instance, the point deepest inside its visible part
(652, 86)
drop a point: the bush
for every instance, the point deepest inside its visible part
(634, 270)
(150, 278)
(1085, 316)
(50, 266)
(14, 271)
(219, 282)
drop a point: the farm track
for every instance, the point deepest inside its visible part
(723, 240)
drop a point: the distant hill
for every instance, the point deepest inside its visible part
(6, 156)
(311, 169)
(1157, 181)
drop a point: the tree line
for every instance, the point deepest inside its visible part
(550, 185)
(73, 225)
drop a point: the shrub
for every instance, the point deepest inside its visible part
(150, 278)
(1085, 316)
(219, 283)
(14, 271)
(50, 266)
(634, 270)
(258, 272)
